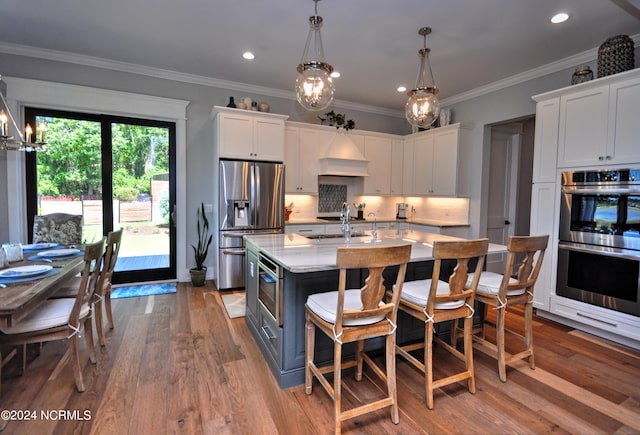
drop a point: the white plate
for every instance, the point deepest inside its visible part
(37, 246)
(24, 271)
(59, 252)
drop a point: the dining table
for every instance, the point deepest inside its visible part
(21, 291)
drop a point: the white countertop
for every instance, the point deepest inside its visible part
(419, 221)
(299, 254)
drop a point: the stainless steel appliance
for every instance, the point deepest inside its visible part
(270, 287)
(599, 239)
(401, 212)
(251, 201)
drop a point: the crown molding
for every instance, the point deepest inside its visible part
(62, 56)
(553, 67)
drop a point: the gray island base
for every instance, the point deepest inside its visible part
(282, 270)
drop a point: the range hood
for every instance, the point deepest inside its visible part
(344, 158)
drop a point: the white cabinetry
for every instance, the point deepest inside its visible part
(305, 229)
(544, 220)
(545, 150)
(301, 160)
(249, 135)
(599, 125)
(433, 156)
(397, 160)
(583, 127)
(378, 152)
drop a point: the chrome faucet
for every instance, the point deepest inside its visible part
(374, 233)
(345, 217)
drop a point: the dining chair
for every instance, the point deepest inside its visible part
(63, 319)
(103, 287)
(354, 315)
(62, 228)
(433, 301)
(501, 291)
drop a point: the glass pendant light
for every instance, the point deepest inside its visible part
(423, 107)
(314, 85)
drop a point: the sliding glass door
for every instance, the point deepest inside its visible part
(117, 173)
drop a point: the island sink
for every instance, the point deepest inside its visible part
(334, 236)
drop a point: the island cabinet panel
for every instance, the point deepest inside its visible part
(251, 285)
(284, 347)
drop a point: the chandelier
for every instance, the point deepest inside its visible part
(314, 86)
(423, 107)
(24, 142)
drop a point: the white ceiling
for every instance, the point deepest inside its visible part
(373, 43)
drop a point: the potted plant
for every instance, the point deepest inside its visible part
(200, 251)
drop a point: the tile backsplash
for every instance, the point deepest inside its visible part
(331, 197)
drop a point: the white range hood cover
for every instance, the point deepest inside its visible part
(344, 158)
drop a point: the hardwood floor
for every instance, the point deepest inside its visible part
(177, 364)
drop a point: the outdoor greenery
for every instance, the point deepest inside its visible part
(71, 166)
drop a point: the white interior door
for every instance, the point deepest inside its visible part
(502, 188)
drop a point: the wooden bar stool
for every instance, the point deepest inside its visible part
(355, 315)
(502, 291)
(434, 301)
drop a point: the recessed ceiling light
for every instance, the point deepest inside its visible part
(248, 55)
(560, 18)
(335, 74)
(401, 89)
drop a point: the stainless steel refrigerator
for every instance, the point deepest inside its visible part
(251, 201)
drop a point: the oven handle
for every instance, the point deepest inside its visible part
(601, 191)
(234, 251)
(598, 252)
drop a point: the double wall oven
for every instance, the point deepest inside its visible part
(599, 239)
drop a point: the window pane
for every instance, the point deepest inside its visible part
(141, 195)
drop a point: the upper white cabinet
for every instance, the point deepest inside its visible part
(599, 124)
(397, 161)
(378, 151)
(241, 134)
(302, 152)
(583, 127)
(433, 156)
(624, 121)
(545, 150)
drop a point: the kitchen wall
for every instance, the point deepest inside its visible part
(451, 210)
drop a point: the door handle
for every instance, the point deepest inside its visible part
(234, 251)
(506, 222)
(173, 215)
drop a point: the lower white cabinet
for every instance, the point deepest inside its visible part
(544, 197)
(619, 327)
(305, 229)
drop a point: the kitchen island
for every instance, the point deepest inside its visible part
(282, 270)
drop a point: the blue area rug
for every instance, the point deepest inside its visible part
(143, 290)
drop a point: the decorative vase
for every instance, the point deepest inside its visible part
(263, 107)
(198, 276)
(360, 214)
(232, 103)
(287, 213)
(581, 75)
